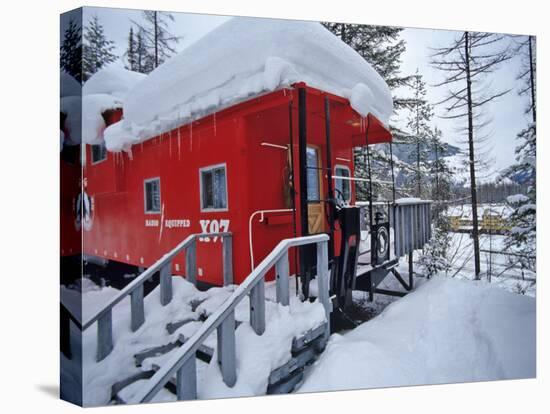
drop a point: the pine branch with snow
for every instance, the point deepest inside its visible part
(97, 49)
(434, 260)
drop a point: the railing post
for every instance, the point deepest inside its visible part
(257, 307)
(411, 227)
(136, 308)
(396, 240)
(186, 380)
(404, 227)
(426, 223)
(281, 277)
(416, 226)
(166, 284)
(104, 335)
(226, 350)
(430, 220)
(323, 281)
(191, 262)
(227, 253)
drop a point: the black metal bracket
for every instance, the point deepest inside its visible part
(407, 286)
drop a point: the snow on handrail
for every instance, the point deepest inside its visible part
(182, 364)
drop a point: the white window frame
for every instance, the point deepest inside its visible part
(208, 168)
(343, 167)
(92, 154)
(148, 180)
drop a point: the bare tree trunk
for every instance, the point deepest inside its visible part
(418, 156)
(437, 171)
(343, 33)
(473, 189)
(156, 41)
(532, 79)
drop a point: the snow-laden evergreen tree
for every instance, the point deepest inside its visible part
(466, 61)
(382, 47)
(440, 176)
(156, 39)
(131, 52)
(71, 51)
(141, 53)
(434, 257)
(97, 49)
(522, 236)
(421, 113)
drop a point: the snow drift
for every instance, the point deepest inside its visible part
(243, 58)
(446, 331)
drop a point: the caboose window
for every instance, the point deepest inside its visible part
(312, 174)
(152, 195)
(99, 153)
(213, 182)
(342, 186)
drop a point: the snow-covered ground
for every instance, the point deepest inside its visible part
(465, 210)
(502, 270)
(447, 330)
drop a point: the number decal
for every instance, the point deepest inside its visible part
(213, 226)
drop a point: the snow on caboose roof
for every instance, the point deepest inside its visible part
(243, 58)
(68, 86)
(113, 80)
(104, 90)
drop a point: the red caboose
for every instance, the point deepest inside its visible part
(229, 172)
(259, 147)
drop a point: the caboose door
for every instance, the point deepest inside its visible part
(315, 207)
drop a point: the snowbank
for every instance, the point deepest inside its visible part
(242, 58)
(465, 210)
(447, 331)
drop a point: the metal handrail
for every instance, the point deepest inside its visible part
(182, 362)
(103, 317)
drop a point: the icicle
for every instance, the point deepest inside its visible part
(215, 125)
(179, 144)
(170, 144)
(191, 135)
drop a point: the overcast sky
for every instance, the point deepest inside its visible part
(507, 112)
